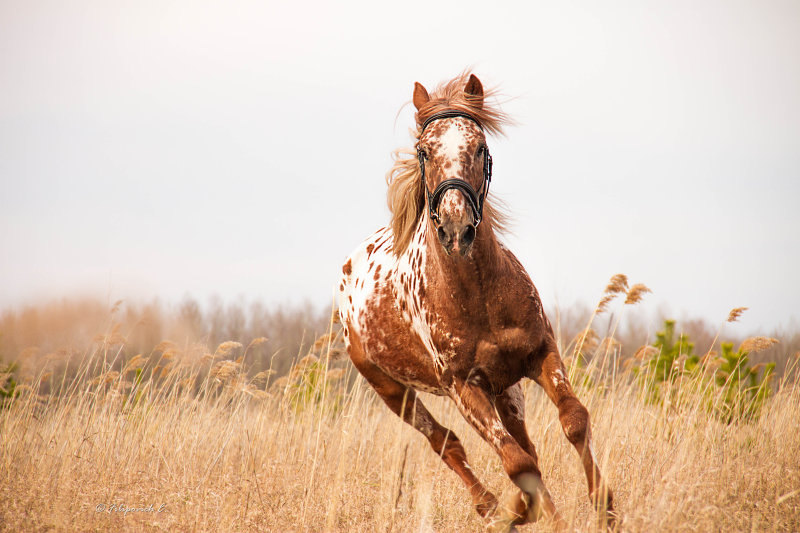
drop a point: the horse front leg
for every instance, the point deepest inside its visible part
(510, 406)
(404, 403)
(479, 409)
(549, 372)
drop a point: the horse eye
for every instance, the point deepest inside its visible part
(480, 151)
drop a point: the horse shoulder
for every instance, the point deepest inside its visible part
(378, 306)
(362, 272)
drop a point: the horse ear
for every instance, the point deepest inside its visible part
(420, 96)
(474, 91)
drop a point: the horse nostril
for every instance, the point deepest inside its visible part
(442, 235)
(468, 236)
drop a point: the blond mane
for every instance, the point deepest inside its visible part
(405, 196)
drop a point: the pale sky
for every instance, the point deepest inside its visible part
(157, 148)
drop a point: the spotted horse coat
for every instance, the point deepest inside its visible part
(451, 311)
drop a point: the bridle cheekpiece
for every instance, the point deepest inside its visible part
(475, 199)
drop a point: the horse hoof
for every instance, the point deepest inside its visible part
(485, 504)
(610, 519)
(514, 508)
(603, 501)
(499, 525)
(532, 495)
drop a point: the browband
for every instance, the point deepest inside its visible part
(450, 114)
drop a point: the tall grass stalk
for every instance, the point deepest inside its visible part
(224, 452)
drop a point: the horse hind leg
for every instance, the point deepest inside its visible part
(551, 375)
(479, 408)
(403, 402)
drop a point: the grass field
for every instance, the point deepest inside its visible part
(186, 441)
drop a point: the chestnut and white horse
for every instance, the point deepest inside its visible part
(436, 303)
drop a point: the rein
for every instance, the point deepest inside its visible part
(474, 198)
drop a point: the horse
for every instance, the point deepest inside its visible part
(434, 302)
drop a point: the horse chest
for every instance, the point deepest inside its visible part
(421, 331)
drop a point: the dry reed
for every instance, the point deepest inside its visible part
(203, 448)
(735, 313)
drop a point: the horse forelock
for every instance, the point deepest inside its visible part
(450, 96)
(405, 196)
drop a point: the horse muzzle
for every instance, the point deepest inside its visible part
(455, 237)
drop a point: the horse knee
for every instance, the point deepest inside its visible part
(574, 420)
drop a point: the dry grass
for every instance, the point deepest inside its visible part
(221, 452)
(273, 336)
(735, 313)
(186, 439)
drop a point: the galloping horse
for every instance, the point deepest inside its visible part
(436, 303)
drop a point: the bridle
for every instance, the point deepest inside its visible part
(475, 199)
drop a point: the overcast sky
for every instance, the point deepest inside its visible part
(157, 148)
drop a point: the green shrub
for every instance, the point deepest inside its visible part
(727, 385)
(8, 384)
(742, 393)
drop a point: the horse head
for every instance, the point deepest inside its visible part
(455, 166)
